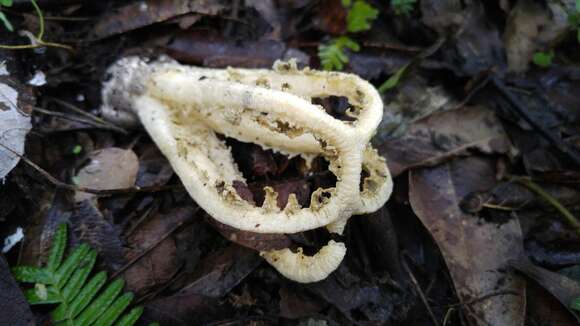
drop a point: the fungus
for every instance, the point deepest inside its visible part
(184, 109)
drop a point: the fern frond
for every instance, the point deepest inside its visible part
(332, 55)
(360, 16)
(64, 281)
(403, 7)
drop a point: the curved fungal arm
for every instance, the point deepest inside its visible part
(184, 141)
(184, 108)
(306, 269)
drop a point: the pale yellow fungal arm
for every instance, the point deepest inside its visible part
(306, 269)
(182, 108)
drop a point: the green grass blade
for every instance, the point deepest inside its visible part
(100, 305)
(33, 298)
(6, 22)
(87, 293)
(58, 246)
(79, 277)
(131, 318)
(116, 309)
(29, 274)
(70, 264)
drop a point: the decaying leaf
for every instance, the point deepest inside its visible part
(532, 26)
(476, 251)
(109, 168)
(560, 286)
(440, 137)
(144, 13)
(14, 124)
(15, 310)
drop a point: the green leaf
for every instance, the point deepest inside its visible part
(575, 304)
(100, 305)
(403, 7)
(360, 17)
(79, 277)
(33, 298)
(577, 5)
(131, 318)
(543, 59)
(116, 309)
(66, 283)
(6, 22)
(87, 293)
(6, 3)
(77, 149)
(332, 56)
(394, 80)
(346, 3)
(71, 264)
(29, 274)
(59, 240)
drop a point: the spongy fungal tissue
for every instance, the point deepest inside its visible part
(184, 109)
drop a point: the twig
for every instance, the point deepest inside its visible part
(420, 292)
(482, 298)
(93, 117)
(534, 187)
(73, 118)
(99, 192)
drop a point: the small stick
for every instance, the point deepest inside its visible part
(420, 292)
(534, 187)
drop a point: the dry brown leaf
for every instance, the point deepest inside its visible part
(476, 251)
(144, 13)
(108, 168)
(442, 136)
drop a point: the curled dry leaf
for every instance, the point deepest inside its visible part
(14, 121)
(443, 136)
(145, 13)
(108, 168)
(217, 52)
(476, 251)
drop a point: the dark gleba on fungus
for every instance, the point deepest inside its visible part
(184, 108)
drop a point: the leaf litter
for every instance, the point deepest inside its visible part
(467, 118)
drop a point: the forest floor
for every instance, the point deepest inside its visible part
(481, 133)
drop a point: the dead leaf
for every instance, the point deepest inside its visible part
(154, 169)
(361, 300)
(15, 309)
(88, 225)
(108, 168)
(476, 251)
(545, 309)
(296, 303)
(144, 13)
(440, 137)
(215, 51)
(563, 288)
(14, 124)
(219, 273)
(533, 26)
(181, 309)
(475, 45)
(256, 241)
(159, 264)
